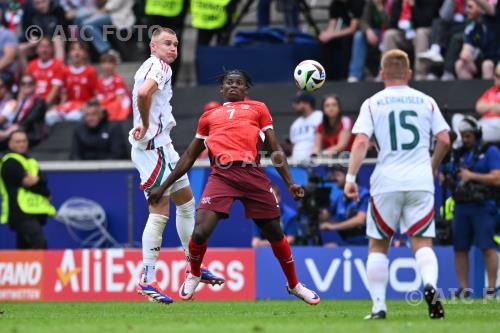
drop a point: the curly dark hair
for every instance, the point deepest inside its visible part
(242, 73)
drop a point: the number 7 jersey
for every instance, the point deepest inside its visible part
(235, 131)
(401, 120)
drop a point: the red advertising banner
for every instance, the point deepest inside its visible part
(113, 274)
(21, 275)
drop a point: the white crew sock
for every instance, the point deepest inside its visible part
(377, 271)
(427, 265)
(151, 244)
(184, 221)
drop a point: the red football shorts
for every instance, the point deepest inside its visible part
(248, 184)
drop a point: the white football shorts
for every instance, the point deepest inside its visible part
(413, 212)
(155, 165)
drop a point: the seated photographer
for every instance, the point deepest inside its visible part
(472, 173)
(288, 223)
(346, 217)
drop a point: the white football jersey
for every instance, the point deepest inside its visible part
(402, 121)
(302, 134)
(161, 119)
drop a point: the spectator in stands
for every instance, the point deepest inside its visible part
(48, 16)
(112, 92)
(7, 106)
(8, 53)
(346, 217)
(446, 33)
(344, 19)
(48, 72)
(289, 223)
(333, 135)
(29, 114)
(303, 129)
(78, 10)
(26, 195)
(480, 49)
(212, 19)
(474, 49)
(290, 10)
(118, 13)
(80, 83)
(488, 106)
(410, 28)
(96, 138)
(374, 21)
(167, 13)
(492, 22)
(13, 14)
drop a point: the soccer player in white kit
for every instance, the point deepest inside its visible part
(155, 157)
(401, 121)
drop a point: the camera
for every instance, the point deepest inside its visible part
(471, 192)
(316, 197)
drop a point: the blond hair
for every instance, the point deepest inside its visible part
(157, 32)
(395, 64)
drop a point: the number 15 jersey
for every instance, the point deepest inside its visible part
(235, 131)
(402, 121)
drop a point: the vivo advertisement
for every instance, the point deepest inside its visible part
(340, 273)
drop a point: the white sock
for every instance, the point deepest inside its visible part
(184, 221)
(151, 244)
(377, 271)
(427, 265)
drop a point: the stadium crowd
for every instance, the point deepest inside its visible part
(450, 39)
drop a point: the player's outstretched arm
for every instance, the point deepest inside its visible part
(183, 165)
(280, 163)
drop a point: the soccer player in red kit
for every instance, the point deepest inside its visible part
(48, 72)
(234, 134)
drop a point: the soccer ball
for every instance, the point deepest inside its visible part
(309, 75)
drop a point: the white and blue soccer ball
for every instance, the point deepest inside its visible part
(309, 75)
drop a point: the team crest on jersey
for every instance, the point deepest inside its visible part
(159, 76)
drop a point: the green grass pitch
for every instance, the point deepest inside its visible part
(258, 316)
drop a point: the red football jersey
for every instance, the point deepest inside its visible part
(80, 83)
(331, 139)
(491, 95)
(47, 75)
(234, 131)
(110, 86)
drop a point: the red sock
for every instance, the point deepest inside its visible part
(282, 252)
(196, 254)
